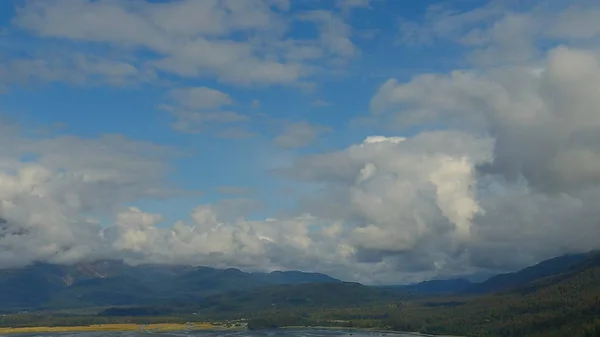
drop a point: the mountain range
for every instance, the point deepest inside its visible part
(114, 283)
(106, 283)
(500, 282)
(557, 297)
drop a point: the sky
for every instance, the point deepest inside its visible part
(381, 141)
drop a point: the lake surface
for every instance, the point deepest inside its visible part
(263, 333)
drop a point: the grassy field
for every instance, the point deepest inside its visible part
(114, 327)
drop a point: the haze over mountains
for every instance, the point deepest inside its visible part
(557, 297)
(113, 283)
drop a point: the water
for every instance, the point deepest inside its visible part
(263, 333)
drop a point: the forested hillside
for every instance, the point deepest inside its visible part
(566, 304)
(109, 283)
(552, 300)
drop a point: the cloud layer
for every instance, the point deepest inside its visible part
(488, 167)
(193, 39)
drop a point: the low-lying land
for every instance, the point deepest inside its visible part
(555, 298)
(155, 327)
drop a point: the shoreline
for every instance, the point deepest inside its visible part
(192, 326)
(154, 327)
(380, 330)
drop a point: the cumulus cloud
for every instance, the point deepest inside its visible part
(392, 209)
(492, 167)
(543, 120)
(49, 199)
(48, 202)
(537, 191)
(399, 196)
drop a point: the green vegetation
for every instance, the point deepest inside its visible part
(567, 304)
(540, 302)
(157, 327)
(45, 286)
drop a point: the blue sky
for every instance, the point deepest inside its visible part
(380, 141)
(335, 102)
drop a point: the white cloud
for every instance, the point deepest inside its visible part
(194, 39)
(299, 134)
(397, 192)
(208, 240)
(195, 107)
(132, 225)
(510, 177)
(499, 32)
(440, 22)
(200, 97)
(543, 121)
(74, 68)
(194, 121)
(537, 193)
(391, 209)
(334, 33)
(47, 201)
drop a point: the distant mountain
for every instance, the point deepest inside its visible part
(273, 298)
(433, 287)
(439, 286)
(550, 267)
(566, 303)
(580, 276)
(105, 283)
(497, 283)
(295, 277)
(563, 304)
(557, 297)
(114, 283)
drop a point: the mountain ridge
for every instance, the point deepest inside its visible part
(115, 283)
(112, 282)
(543, 269)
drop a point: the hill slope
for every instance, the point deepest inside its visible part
(434, 287)
(547, 268)
(106, 283)
(564, 304)
(273, 298)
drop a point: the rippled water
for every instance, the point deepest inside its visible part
(264, 333)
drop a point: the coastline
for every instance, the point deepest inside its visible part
(391, 332)
(192, 326)
(155, 327)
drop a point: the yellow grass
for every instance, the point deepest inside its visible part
(112, 327)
